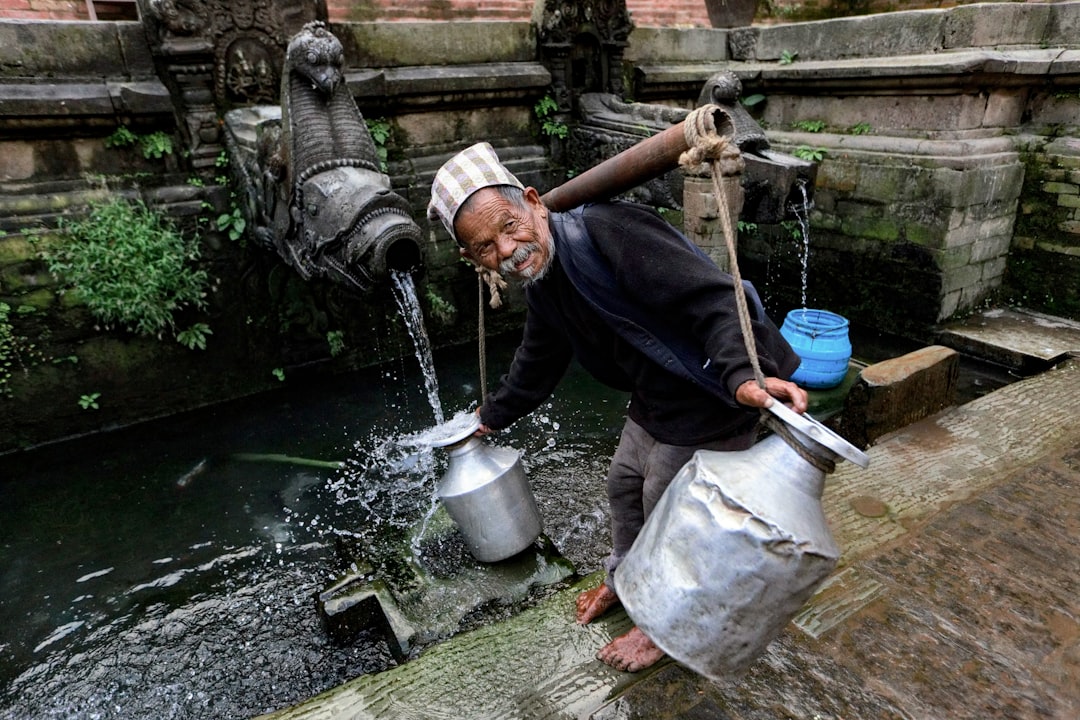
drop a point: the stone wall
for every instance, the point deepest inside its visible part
(924, 124)
(1044, 263)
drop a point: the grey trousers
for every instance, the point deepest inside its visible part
(640, 472)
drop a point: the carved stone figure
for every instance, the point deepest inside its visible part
(319, 197)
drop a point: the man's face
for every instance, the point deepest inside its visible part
(500, 235)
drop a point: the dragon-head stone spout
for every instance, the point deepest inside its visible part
(319, 195)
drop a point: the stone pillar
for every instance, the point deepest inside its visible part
(701, 214)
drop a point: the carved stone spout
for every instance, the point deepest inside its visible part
(772, 181)
(317, 194)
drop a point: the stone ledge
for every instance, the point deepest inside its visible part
(907, 73)
(894, 393)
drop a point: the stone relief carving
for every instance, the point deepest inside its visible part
(214, 55)
(318, 196)
(582, 45)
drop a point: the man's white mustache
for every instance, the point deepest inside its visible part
(509, 265)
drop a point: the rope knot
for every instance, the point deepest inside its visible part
(708, 146)
(495, 284)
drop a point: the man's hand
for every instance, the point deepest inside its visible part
(749, 393)
(483, 429)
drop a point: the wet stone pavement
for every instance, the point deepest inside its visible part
(956, 597)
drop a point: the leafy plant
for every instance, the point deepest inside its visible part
(121, 137)
(440, 309)
(130, 266)
(545, 109)
(787, 57)
(381, 131)
(814, 126)
(232, 222)
(806, 152)
(793, 229)
(89, 402)
(747, 227)
(861, 129)
(155, 145)
(195, 336)
(336, 340)
(279, 373)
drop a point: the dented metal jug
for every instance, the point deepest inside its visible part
(735, 547)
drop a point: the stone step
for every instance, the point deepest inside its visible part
(1022, 340)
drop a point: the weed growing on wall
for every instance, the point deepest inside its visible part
(132, 268)
(545, 111)
(155, 145)
(380, 130)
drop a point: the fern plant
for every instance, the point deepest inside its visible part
(131, 267)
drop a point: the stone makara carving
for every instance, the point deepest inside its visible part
(771, 181)
(318, 195)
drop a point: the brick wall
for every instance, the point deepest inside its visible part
(645, 13)
(652, 13)
(44, 9)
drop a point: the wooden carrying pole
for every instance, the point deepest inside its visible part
(634, 166)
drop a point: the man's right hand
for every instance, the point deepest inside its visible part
(753, 395)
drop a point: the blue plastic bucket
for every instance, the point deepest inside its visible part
(821, 340)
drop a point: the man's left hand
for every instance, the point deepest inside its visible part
(751, 394)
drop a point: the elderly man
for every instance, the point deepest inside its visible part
(643, 310)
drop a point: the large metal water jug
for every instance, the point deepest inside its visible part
(734, 548)
(486, 493)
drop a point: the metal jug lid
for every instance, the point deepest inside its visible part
(455, 430)
(819, 433)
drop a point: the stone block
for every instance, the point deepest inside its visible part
(894, 393)
(949, 304)
(1063, 26)
(961, 277)
(897, 33)
(16, 161)
(1060, 188)
(999, 178)
(355, 603)
(670, 44)
(1068, 201)
(388, 44)
(1004, 108)
(990, 247)
(995, 24)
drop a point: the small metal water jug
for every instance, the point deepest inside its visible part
(734, 548)
(486, 493)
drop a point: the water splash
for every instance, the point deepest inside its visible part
(409, 305)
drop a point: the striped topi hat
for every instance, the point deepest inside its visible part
(472, 169)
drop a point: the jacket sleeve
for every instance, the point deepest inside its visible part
(658, 268)
(540, 361)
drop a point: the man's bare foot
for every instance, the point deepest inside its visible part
(631, 652)
(591, 604)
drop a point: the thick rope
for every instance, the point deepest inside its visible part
(481, 340)
(496, 284)
(721, 157)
